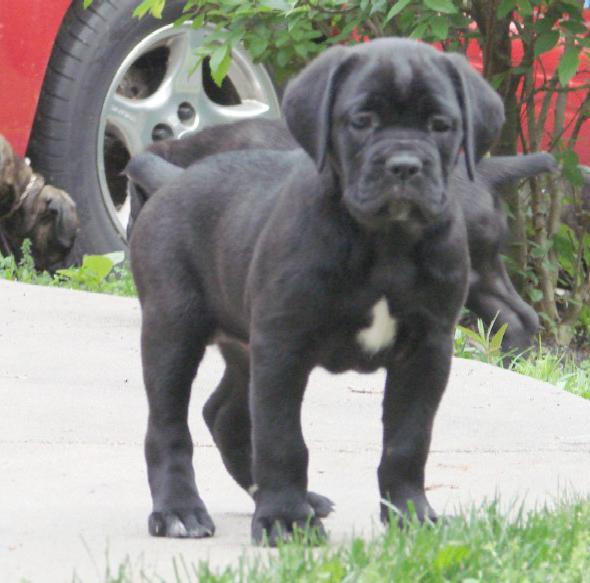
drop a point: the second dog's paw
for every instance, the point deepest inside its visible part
(181, 524)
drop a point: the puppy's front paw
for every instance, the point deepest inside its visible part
(181, 524)
(270, 527)
(322, 506)
(405, 508)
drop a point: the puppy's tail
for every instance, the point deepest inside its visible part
(147, 173)
(499, 171)
(151, 172)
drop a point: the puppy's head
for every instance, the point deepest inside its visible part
(49, 219)
(14, 175)
(388, 119)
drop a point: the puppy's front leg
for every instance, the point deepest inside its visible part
(279, 376)
(415, 383)
(172, 345)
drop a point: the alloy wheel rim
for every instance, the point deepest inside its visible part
(184, 101)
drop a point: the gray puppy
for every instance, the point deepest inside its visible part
(350, 254)
(491, 297)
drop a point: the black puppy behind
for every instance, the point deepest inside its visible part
(154, 166)
(492, 296)
(352, 254)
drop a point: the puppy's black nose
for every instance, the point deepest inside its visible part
(403, 166)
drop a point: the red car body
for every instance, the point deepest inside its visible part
(27, 35)
(544, 71)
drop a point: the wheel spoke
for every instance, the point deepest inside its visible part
(180, 85)
(134, 120)
(181, 79)
(211, 113)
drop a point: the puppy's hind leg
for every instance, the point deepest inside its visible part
(227, 416)
(174, 336)
(492, 297)
(228, 419)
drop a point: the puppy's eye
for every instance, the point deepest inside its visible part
(363, 120)
(440, 124)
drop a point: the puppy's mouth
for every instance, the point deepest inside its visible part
(397, 210)
(395, 206)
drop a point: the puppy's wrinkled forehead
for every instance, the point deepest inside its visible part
(409, 85)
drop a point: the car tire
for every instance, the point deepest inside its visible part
(81, 138)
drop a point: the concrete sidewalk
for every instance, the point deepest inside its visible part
(73, 413)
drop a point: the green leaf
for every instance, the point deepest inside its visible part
(506, 6)
(69, 273)
(396, 9)
(256, 46)
(445, 6)
(198, 22)
(283, 57)
(99, 265)
(220, 63)
(525, 7)
(474, 336)
(568, 65)
(439, 26)
(377, 6)
(278, 5)
(574, 26)
(156, 8)
(571, 167)
(282, 38)
(536, 295)
(537, 251)
(301, 50)
(116, 257)
(545, 24)
(419, 31)
(451, 555)
(87, 3)
(481, 329)
(546, 41)
(496, 342)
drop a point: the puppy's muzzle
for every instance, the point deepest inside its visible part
(398, 184)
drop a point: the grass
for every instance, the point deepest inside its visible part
(108, 274)
(560, 370)
(479, 546)
(551, 366)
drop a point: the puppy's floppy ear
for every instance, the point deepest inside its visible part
(65, 217)
(482, 110)
(309, 99)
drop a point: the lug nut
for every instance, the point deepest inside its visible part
(161, 132)
(186, 112)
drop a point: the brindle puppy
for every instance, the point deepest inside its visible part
(31, 209)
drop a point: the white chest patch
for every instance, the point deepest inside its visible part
(381, 333)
